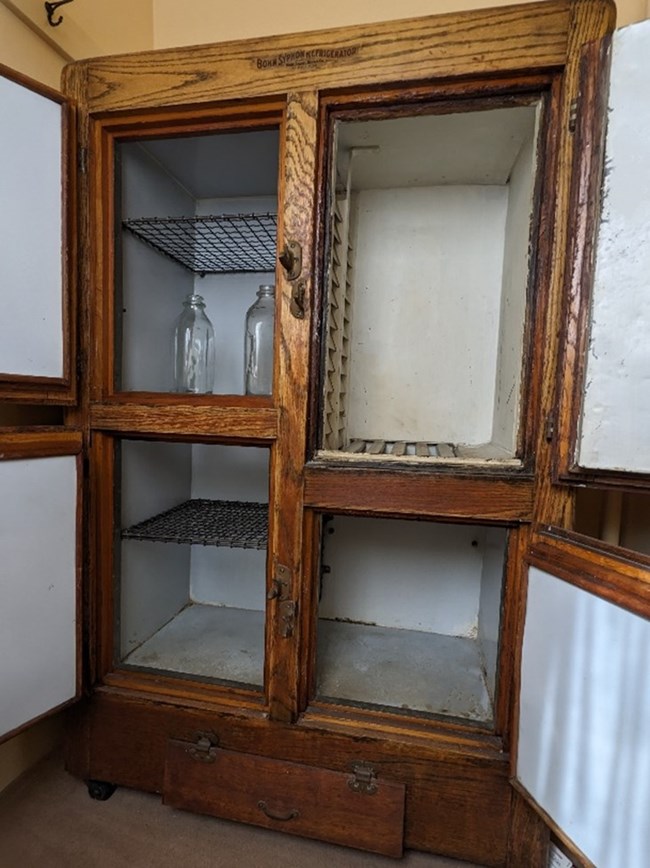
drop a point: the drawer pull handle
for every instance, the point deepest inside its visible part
(273, 815)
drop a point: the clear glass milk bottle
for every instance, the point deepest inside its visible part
(258, 349)
(193, 348)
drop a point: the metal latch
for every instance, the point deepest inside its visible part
(205, 748)
(364, 779)
(291, 259)
(288, 609)
(279, 583)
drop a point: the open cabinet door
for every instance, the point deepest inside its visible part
(36, 235)
(40, 566)
(583, 742)
(605, 412)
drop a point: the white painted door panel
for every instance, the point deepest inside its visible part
(615, 430)
(31, 233)
(584, 729)
(38, 587)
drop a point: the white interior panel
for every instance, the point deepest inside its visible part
(159, 579)
(478, 147)
(155, 179)
(224, 576)
(407, 574)
(427, 296)
(428, 274)
(516, 263)
(38, 653)
(228, 297)
(584, 752)
(153, 576)
(409, 615)
(31, 233)
(489, 616)
(153, 287)
(616, 409)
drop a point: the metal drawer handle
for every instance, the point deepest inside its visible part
(272, 815)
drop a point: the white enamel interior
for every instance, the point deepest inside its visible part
(583, 748)
(38, 590)
(31, 233)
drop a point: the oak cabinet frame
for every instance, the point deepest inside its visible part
(458, 774)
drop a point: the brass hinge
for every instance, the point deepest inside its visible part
(364, 779)
(573, 115)
(549, 428)
(288, 611)
(204, 749)
(291, 259)
(83, 160)
(279, 583)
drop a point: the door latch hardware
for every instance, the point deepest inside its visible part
(291, 259)
(204, 749)
(287, 618)
(573, 115)
(364, 779)
(297, 306)
(549, 427)
(279, 583)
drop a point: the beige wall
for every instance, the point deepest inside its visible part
(206, 21)
(21, 752)
(22, 50)
(91, 27)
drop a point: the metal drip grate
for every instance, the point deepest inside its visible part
(401, 448)
(217, 244)
(231, 523)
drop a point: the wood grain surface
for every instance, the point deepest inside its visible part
(460, 44)
(376, 491)
(290, 797)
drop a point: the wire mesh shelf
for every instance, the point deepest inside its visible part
(231, 523)
(216, 244)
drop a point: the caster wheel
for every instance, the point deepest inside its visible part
(100, 790)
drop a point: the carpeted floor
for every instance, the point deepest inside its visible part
(47, 820)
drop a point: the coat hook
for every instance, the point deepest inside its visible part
(51, 8)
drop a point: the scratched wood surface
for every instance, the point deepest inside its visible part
(590, 20)
(291, 797)
(457, 799)
(38, 443)
(168, 419)
(585, 206)
(385, 492)
(448, 45)
(291, 379)
(611, 573)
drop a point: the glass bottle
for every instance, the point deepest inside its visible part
(193, 348)
(258, 350)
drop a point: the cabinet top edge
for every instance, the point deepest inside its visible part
(476, 41)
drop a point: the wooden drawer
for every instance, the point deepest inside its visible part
(303, 800)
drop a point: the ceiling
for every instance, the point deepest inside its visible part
(478, 147)
(224, 165)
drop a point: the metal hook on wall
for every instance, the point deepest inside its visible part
(51, 8)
